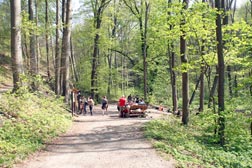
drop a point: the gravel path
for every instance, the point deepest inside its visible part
(101, 142)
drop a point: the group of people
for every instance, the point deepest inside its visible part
(135, 99)
(80, 102)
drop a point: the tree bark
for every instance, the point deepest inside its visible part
(185, 76)
(212, 91)
(66, 50)
(16, 48)
(144, 48)
(47, 41)
(143, 23)
(203, 71)
(33, 57)
(221, 70)
(73, 62)
(57, 50)
(98, 11)
(172, 72)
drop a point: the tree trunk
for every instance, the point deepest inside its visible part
(47, 40)
(215, 83)
(16, 48)
(143, 34)
(57, 50)
(202, 90)
(33, 58)
(221, 70)
(185, 76)
(98, 11)
(144, 48)
(172, 72)
(229, 81)
(66, 50)
(202, 77)
(73, 63)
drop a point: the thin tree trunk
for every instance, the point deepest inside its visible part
(202, 90)
(172, 72)
(33, 58)
(221, 70)
(16, 48)
(63, 14)
(57, 50)
(203, 71)
(212, 91)
(73, 62)
(144, 48)
(229, 80)
(185, 76)
(37, 42)
(98, 11)
(47, 41)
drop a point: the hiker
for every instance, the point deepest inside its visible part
(79, 101)
(104, 104)
(121, 103)
(85, 105)
(81, 105)
(129, 98)
(90, 104)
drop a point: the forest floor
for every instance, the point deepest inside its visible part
(101, 142)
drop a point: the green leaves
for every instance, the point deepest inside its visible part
(32, 120)
(195, 145)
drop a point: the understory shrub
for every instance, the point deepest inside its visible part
(28, 120)
(197, 145)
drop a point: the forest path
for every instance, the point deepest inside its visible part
(101, 142)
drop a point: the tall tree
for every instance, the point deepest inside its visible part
(185, 75)
(221, 70)
(141, 12)
(66, 50)
(172, 71)
(33, 57)
(98, 9)
(47, 40)
(202, 79)
(16, 50)
(57, 49)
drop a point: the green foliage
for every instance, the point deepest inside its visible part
(196, 145)
(28, 121)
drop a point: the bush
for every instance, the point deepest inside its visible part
(28, 121)
(196, 145)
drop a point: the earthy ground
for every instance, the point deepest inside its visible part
(101, 142)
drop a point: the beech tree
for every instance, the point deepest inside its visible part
(221, 70)
(66, 50)
(57, 49)
(141, 11)
(16, 50)
(185, 75)
(33, 56)
(98, 9)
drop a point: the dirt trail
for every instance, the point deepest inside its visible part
(100, 142)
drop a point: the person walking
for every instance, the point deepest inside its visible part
(91, 105)
(104, 104)
(85, 105)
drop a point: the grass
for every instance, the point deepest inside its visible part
(196, 145)
(28, 120)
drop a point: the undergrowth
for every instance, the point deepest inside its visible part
(27, 121)
(196, 145)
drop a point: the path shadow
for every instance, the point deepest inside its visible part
(101, 139)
